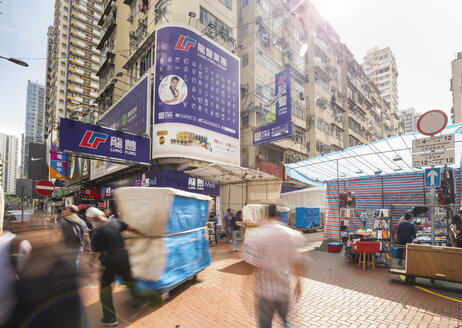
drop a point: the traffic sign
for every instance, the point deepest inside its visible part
(44, 187)
(432, 177)
(433, 143)
(433, 159)
(432, 122)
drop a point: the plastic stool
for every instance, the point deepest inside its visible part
(366, 258)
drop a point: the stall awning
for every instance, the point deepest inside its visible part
(383, 157)
(228, 174)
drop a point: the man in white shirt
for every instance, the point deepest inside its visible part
(275, 257)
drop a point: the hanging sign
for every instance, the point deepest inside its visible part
(433, 143)
(436, 158)
(432, 122)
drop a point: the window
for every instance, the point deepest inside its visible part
(245, 60)
(165, 6)
(244, 3)
(207, 18)
(227, 3)
(271, 155)
(245, 30)
(268, 63)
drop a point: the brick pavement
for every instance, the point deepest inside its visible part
(336, 294)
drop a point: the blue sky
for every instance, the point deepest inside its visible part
(23, 34)
(423, 34)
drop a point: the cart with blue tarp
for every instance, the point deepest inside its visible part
(307, 218)
(179, 247)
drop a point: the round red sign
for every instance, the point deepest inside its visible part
(432, 122)
(44, 187)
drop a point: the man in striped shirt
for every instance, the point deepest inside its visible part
(274, 255)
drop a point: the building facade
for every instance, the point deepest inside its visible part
(74, 60)
(35, 116)
(334, 104)
(380, 66)
(409, 118)
(9, 153)
(456, 89)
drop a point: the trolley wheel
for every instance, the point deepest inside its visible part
(410, 280)
(194, 278)
(165, 296)
(432, 281)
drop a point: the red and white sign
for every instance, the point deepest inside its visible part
(44, 187)
(432, 122)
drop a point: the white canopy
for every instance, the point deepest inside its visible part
(228, 174)
(383, 157)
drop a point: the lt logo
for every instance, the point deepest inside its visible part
(184, 43)
(92, 139)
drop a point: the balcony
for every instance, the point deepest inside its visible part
(111, 25)
(271, 168)
(106, 11)
(108, 60)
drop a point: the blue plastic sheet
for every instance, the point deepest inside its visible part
(187, 253)
(307, 217)
(284, 217)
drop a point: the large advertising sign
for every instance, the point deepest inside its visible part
(196, 97)
(282, 128)
(58, 163)
(131, 111)
(37, 161)
(94, 140)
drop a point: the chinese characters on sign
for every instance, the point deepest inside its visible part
(89, 139)
(282, 128)
(196, 84)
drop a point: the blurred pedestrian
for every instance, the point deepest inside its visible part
(14, 251)
(275, 257)
(47, 288)
(74, 233)
(456, 229)
(108, 212)
(108, 241)
(228, 229)
(236, 224)
(406, 234)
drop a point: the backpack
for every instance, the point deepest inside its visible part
(73, 234)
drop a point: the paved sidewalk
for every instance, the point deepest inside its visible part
(336, 294)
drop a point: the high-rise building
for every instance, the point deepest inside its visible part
(74, 60)
(380, 66)
(456, 89)
(50, 35)
(22, 173)
(409, 118)
(9, 154)
(35, 112)
(334, 104)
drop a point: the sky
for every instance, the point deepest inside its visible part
(424, 36)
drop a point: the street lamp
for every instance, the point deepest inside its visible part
(16, 61)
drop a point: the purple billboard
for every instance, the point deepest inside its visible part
(196, 85)
(94, 140)
(131, 111)
(282, 128)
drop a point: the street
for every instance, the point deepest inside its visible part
(336, 294)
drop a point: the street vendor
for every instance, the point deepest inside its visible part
(406, 233)
(456, 229)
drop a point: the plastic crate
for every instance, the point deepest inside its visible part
(334, 247)
(368, 246)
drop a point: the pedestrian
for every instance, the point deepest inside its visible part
(74, 233)
(275, 258)
(108, 212)
(456, 229)
(236, 224)
(228, 229)
(108, 241)
(406, 234)
(14, 251)
(47, 290)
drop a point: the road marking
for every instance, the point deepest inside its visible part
(429, 291)
(45, 187)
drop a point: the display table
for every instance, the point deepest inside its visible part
(434, 262)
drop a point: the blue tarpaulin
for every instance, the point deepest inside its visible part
(307, 217)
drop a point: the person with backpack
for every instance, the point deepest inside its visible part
(74, 232)
(14, 251)
(110, 246)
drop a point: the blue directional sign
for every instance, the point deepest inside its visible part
(432, 178)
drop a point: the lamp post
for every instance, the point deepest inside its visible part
(16, 61)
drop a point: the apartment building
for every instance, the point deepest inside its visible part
(380, 66)
(50, 34)
(456, 89)
(409, 118)
(74, 60)
(35, 114)
(334, 104)
(9, 154)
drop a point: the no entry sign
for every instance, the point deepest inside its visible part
(432, 122)
(44, 187)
